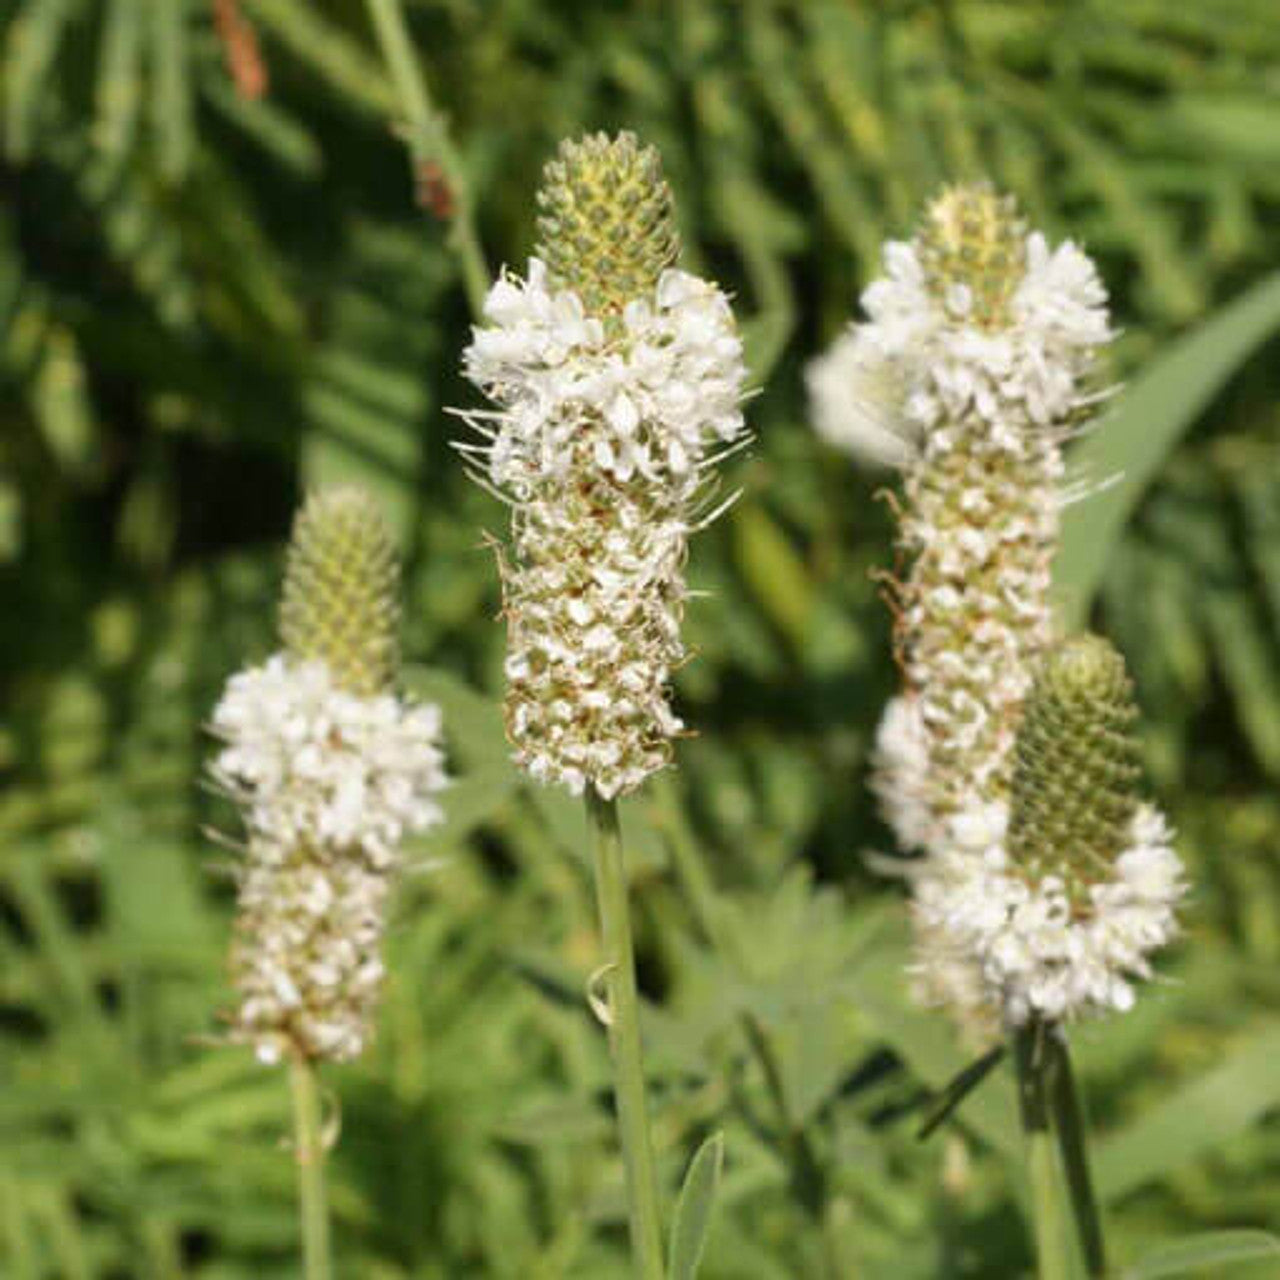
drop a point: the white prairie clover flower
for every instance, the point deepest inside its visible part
(975, 316)
(1060, 912)
(900, 773)
(976, 358)
(855, 399)
(616, 380)
(311, 763)
(331, 770)
(975, 361)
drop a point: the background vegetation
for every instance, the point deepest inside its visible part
(220, 282)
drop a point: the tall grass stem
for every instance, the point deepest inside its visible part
(430, 146)
(1052, 1241)
(624, 1037)
(309, 1151)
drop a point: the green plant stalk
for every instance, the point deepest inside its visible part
(624, 1038)
(427, 138)
(1071, 1126)
(309, 1151)
(1053, 1247)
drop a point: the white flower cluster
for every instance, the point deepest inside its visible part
(900, 773)
(854, 400)
(313, 764)
(601, 440)
(970, 369)
(306, 958)
(979, 527)
(652, 395)
(329, 784)
(927, 356)
(1040, 951)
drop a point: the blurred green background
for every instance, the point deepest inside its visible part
(218, 284)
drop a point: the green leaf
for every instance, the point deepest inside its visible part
(693, 1209)
(1205, 1254)
(171, 107)
(327, 50)
(1134, 439)
(1236, 126)
(1072, 1127)
(478, 755)
(33, 40)
(776, 575)
(959, 1088)
(119, 76)
(470, 802)
(1195, 1118)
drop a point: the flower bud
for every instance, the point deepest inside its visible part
(1059, 911)
(1076, 765)
(972, 248)
(340, 604)
(607, 228)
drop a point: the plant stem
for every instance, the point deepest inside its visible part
(309, 1149)
(624, 1037)
(429, 144)
(1071, 1126)
(1053, 1256)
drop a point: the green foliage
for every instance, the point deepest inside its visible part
(1123, 455)
(1205, 1255)
(211, 299)
(693, 1209)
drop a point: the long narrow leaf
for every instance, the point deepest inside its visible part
(1137, 435)
(961, 1086)
(1205, 1255)
(1196, 1118)
(693, 1210)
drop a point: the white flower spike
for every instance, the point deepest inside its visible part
(332, 771)
(616, 380)
(1059, 910)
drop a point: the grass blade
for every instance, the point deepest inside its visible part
(1196, 1118)
(1204, 1255)
(1137, 435)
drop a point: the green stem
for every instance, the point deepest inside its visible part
(1053, 1256)
(1071, 1126)
(624, 1038)
(429, 144)
(309, 1149)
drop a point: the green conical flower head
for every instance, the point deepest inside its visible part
(973, 237)
(341, 591)
(1076, 770)
(607, 225)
